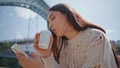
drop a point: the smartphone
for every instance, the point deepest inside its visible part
(44, 39)
(16, 49)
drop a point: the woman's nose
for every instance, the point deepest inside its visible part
(50, 25)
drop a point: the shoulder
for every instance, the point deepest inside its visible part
(93, 31)
(92, 35)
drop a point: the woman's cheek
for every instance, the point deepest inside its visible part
(57, 33)
(60, 33)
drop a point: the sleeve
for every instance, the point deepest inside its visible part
(50, 62)
(94, 51)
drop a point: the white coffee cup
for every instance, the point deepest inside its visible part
(44, 39)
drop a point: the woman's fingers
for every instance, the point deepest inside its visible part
(30, 62)
(37, 35)
(21, 58)
(34, 55)
(36, 40)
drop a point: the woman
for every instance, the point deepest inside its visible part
(76, 43)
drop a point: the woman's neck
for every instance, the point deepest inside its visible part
(71, 34)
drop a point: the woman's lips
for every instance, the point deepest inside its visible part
(54, 31)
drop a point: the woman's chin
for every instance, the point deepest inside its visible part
(57, 34)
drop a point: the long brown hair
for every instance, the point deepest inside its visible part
(78, 23)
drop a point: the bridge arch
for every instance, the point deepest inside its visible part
(38, 6)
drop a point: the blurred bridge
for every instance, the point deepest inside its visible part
(38, 6)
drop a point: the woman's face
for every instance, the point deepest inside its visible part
(57, 22)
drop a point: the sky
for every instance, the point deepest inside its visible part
(105, 13)
(14, 22)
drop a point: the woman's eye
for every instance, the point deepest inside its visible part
(52, 18)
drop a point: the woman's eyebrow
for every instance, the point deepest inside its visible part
(51, 15)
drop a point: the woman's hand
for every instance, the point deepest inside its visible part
(28, 62)
(44, 52)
